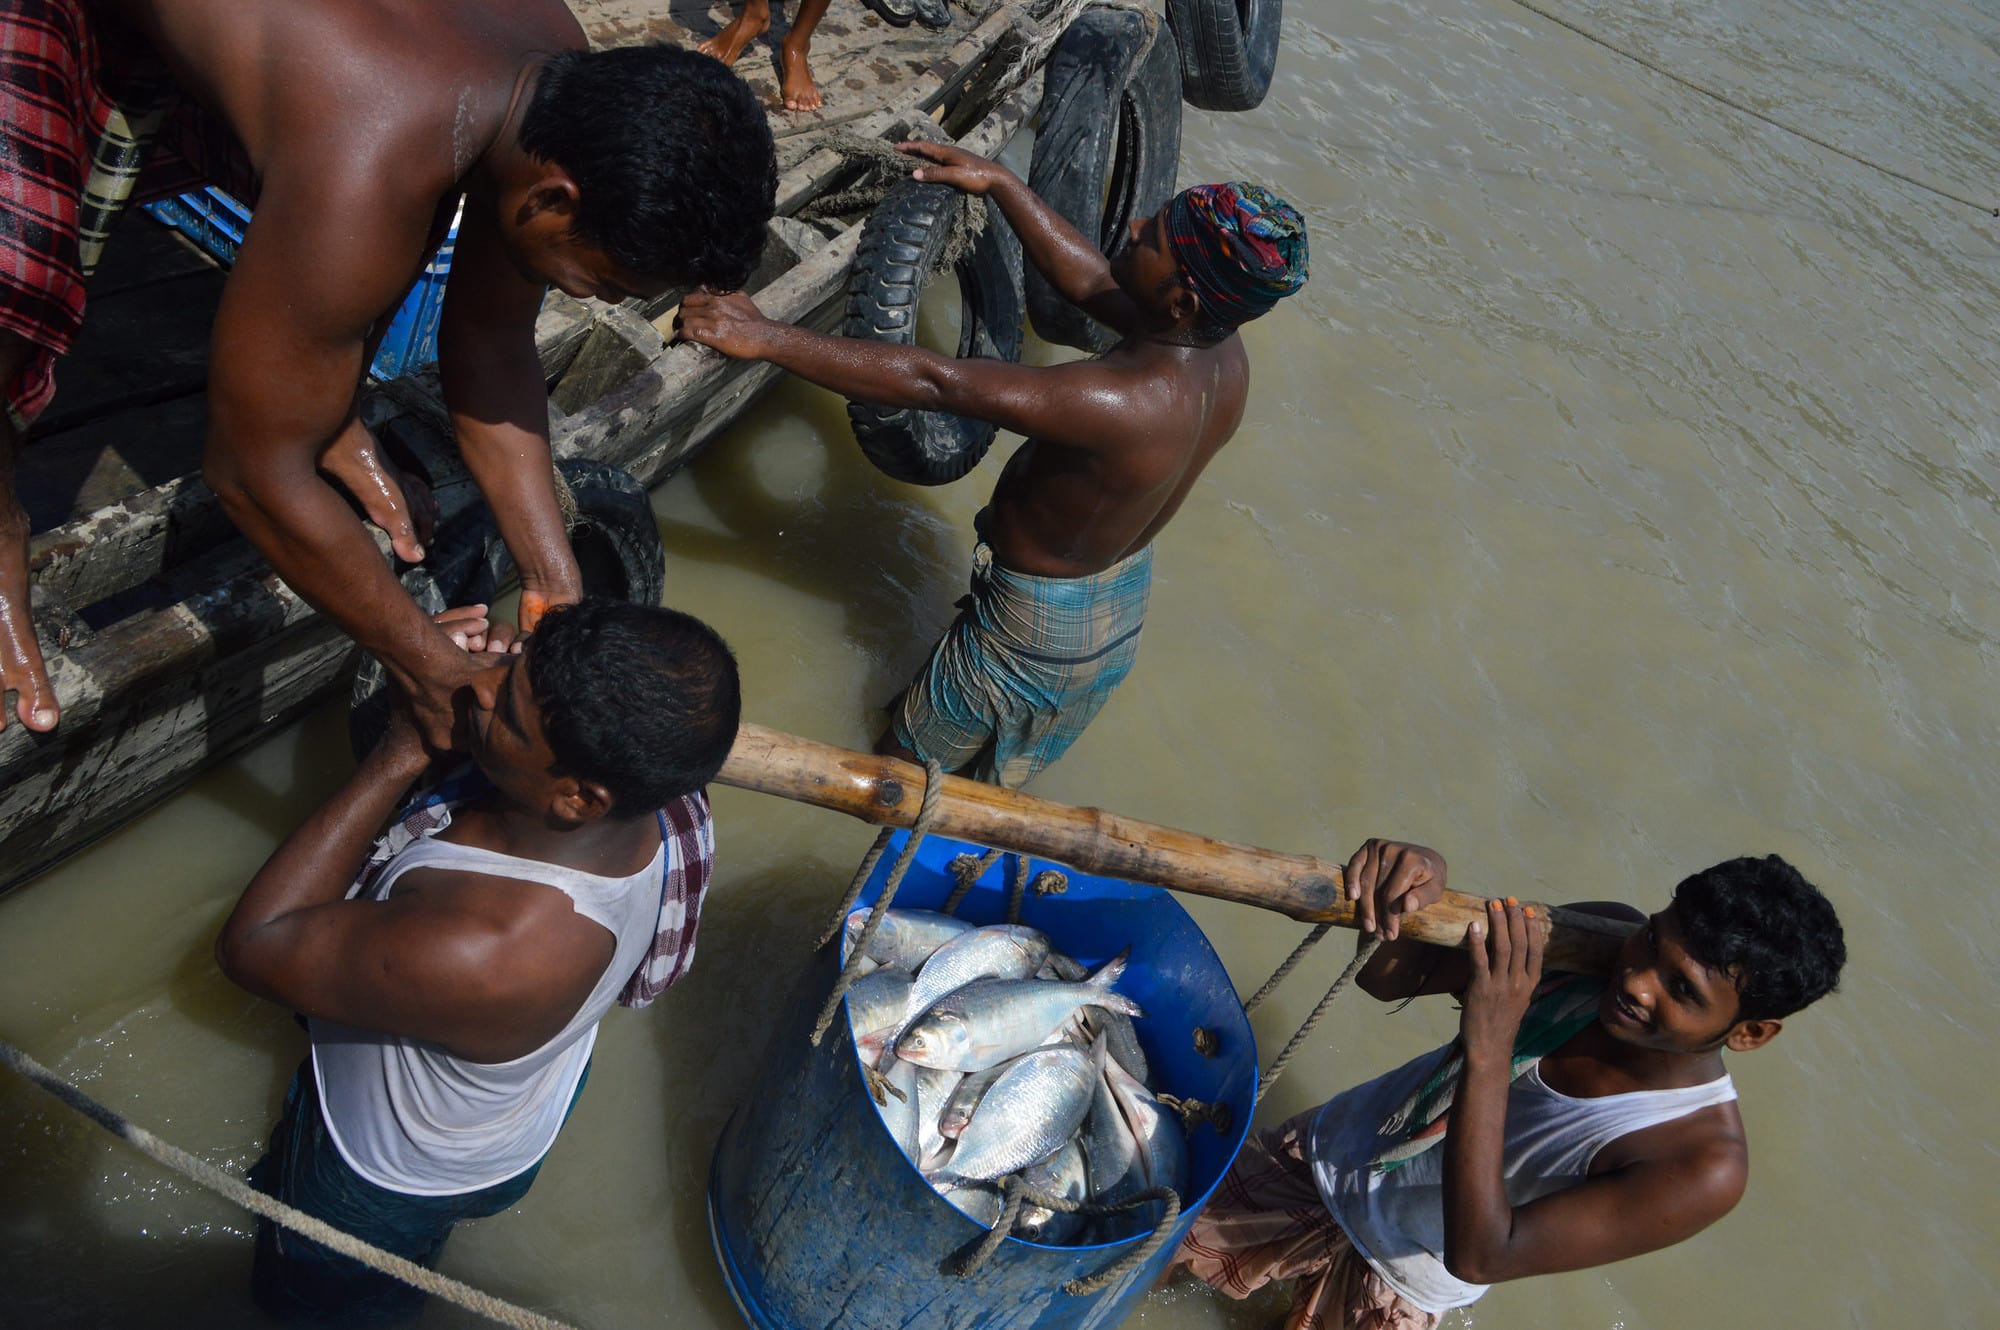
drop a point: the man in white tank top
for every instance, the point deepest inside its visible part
(1573, 1122)
(453, 972)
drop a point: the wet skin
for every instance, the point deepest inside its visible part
(1113, 444)
(363, 120)
(796, 87)
(490, 967)
(1664, 1022)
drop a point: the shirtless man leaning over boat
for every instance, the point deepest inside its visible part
(1064, 561)
(358, 124)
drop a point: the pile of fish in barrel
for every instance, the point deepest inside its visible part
(1011, 1059)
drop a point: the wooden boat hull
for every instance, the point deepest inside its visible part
(173, 644)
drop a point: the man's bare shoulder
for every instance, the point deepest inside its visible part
(1706, 1151)
(357, 80)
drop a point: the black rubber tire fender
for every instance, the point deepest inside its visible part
(618, 550)
(1229, 49)
(1106, 149)
(899, 247)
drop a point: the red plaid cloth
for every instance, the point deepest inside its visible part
(1266, 1222)
(80, 105)
(689, 831)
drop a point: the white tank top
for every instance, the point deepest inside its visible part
(411, 1117)
(1396, 1219)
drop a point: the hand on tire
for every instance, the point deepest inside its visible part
(954, 166)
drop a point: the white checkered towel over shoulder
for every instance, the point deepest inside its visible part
(685, 825)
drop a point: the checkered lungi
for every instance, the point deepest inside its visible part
(81, 103)
(1266, 1221)
(1026, 666)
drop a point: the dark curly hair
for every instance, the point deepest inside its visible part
(675, 168)
(1771, 931)
(642, 699)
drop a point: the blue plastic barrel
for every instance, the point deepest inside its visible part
(217, 222)
(818, 1219)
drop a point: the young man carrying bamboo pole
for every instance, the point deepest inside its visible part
(1063, 566)
(354, 126)
(1575, 1121)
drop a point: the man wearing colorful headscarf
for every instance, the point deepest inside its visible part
(1064, 560)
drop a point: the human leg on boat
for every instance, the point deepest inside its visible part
(728, 45)
(797, 87)
(70, 149)
(22, 670)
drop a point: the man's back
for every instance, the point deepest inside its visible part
(403, 86)
(1066, 511)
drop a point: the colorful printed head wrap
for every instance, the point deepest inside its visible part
(1240, 247)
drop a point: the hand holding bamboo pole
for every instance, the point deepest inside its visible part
(884, 790)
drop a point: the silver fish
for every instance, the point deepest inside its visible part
(1035, 1106)
(990, 1020)
(878, 1004)
(1161, 1139)
(1110, 1151)
(978, 1201)
(965, 1099)
(1124, 1044)
(1061, 1174)
(906, 938)
(899, 1116)
(934, 1089)
(1006, 951)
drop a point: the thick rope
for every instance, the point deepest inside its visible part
(1291, 963)
(235, 1189)
(968, 869)
(1706, 91)
(861, 876)
(1017, 888)
(885, 167)
(966, 1264)
(565, 499)
(1362, 954)
(933, 792)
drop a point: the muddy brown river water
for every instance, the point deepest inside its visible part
(1620, 496)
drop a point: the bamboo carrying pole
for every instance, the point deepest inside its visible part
(884, 790)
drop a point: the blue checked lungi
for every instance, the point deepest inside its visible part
(1027, 665)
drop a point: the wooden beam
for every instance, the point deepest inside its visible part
(889, 792)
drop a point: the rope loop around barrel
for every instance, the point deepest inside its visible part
(926, 814)
(967, 869)
(967, 1262)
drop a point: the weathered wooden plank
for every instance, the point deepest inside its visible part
(59, 798)
(122, 545)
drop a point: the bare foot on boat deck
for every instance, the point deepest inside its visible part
(799, 90)
(745, 28)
